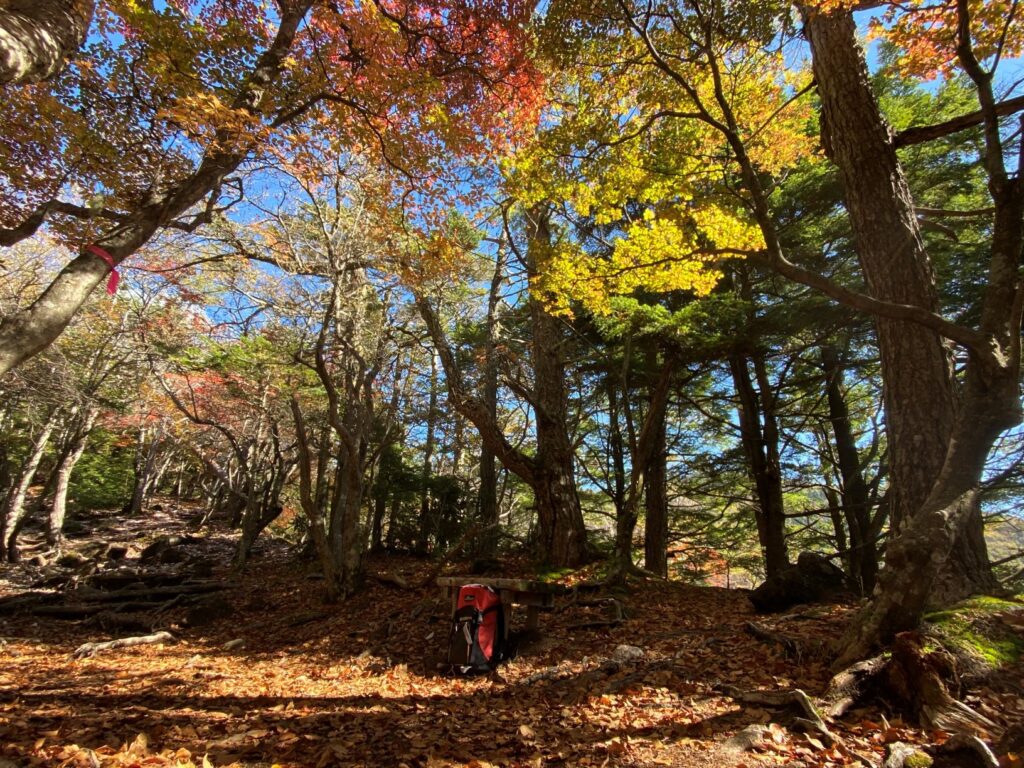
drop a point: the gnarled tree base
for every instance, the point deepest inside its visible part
(915, 680)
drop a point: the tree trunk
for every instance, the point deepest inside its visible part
(917, 367)
(550, 472)
(145, 461)
(759, 436)
(58, 509)
(656, 503)
(313, 512)
(918, 557)
(348, 539)
(14, 509)
(563, 534)
(380, 507)
(855, 497)
(487, 496)
(642, 449)
(428, 521)
(38, 36)
(616, 445)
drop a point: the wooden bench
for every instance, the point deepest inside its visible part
(537, 596)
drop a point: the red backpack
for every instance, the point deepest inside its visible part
(477, 640)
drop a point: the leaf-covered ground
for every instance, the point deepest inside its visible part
(353, 684)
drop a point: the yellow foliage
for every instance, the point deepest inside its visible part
(678, 251)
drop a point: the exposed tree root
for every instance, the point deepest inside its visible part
(915, 680)
(90, 649)
(804, 715)
(964, 749)
(851, 685)
(919, 678)
(788, 644)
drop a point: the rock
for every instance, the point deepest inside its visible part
(812, 579)
(208, 611)
(1012, 740)
(624, 653)
(155, 551)
(961, 750)
(747, 739)
(172, 555)
(72, 560)
(117, 552)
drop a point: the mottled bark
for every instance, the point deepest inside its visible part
(38, 36)
(14, 508)
(144, 466)
(550, 473)
(313, 512)
(72, 454)
(918, 387)
(946, 515)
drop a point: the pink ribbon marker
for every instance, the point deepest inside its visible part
(115, 278)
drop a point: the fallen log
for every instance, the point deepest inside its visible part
(90, 649)
(392, 579)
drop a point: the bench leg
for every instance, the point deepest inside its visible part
(532, 617)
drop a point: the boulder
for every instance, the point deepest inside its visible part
(166, 549)
(813, 579)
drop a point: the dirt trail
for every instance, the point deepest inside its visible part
(312, 685)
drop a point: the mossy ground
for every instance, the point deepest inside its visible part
(976, 627)
(918, 759)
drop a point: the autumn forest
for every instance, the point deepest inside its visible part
(690, 329)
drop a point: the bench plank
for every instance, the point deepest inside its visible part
(517, 585)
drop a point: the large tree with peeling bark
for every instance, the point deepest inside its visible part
(38, 36)
(936, 509)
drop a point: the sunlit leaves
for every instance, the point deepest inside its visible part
(649, 107)
(926, 33)
(676, 252)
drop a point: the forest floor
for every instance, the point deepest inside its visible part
(306, 684)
